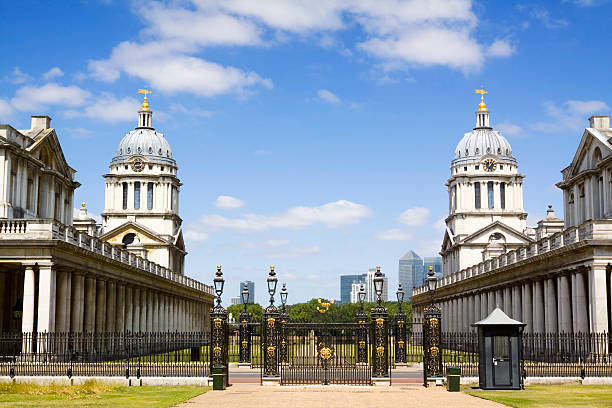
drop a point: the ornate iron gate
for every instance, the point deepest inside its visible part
(324, 353)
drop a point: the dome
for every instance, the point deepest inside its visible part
(145, 142)
(481, 142)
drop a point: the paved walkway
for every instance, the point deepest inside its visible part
(243, 395)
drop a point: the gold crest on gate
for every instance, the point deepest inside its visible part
(400, 343)
(434, 351)
(271, 322)
(433, 322)
(271, 350)
(325, 353)
(217, 323)
(217, 351)
(380, 351)
(362, 344)
(380, 322)
(245, 344)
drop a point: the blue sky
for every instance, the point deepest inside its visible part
(329, 125)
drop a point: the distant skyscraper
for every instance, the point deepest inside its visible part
(410, 272)
(251, 286)
(236, 301)
(436, 262)
(346, 282)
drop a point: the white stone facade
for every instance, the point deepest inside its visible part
(561, 280)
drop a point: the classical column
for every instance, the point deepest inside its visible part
(46, 298)
(129, 309)
(445, 315)
(598, 301)
(508, 300)
(516, 303)
(27, 317)
(149, 310)
(120, 310)
(551, 306)
(538, 307)
(499, 299)
(483, 305)
(136, 309)
(490, 301)
(171, 325)
(89, 312)
(144, 304)
(155, 321)
(111, 305)
(465, 318)
(100, 305)
(527, 311)
(78, 298)
(564, 305)
(162, 312)
(62, 307)
(477, 303)
(470, 313)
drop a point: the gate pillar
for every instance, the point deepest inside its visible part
(284, 319)
(362, 331)
(219, 340)
(399, 329)
(380, 331)
(270, 331)
(245, 329)
(432, 343)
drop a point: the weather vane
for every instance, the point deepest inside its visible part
(482, 92)
(145, 105)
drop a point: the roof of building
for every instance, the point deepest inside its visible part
(498, 317)
(145, 142)
(410, 255)
(481, 142)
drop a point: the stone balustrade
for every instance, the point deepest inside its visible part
(48, 229)
(598, 229)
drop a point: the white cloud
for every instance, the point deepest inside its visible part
(501, 48)
(197, 236)
(36, 98)
(228, 202)
(79, 133)
(511, 129)
(327, 96)
(393, 234)
(544, 17)
(192, 111)
(440, 225)
(18, 76)
(414, 216)
(334, 214)
(109, 109)
(6, 110)
(54, 72)
(570, 115)
(291, 253)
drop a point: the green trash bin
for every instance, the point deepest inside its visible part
(219, 380)
(453, 379)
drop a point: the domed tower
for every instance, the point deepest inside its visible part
(142, 196)
(486, 215)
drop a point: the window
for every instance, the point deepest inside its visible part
(477, 194)
(137, 195)
(502, 195)
(501, 166)
(125, 167)
(150, 167)
(162, 168)
(465, 168)
(125, 191)
(476, 167)
(581, 189)
(490, 193)
(150, 196)
(571, 199)
(128, 239)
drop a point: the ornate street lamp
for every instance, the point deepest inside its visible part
(219, 331)
(432, 334)
(271, 330)
(400, 328)
(284, 318)
(362, 331)
(378, 284)
(380, 331)
(245, 332)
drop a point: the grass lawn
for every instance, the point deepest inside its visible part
(94, 394)
(540, 396)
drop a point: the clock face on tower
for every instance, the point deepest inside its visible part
(137, 165)
(489, 165)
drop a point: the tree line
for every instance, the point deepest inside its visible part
(307, 312)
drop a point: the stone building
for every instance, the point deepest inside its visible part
(556, 277)
(60, 275)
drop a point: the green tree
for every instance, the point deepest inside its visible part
(254, 309)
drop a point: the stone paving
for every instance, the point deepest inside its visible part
(243, 395)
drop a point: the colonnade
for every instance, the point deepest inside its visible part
(64, 300)
(568, 302)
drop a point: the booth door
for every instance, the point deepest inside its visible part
(502, 364)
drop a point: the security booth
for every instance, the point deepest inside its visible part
(499, 352)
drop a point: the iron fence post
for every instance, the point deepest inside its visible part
(362, 338)
(284, 341)
(432, 343)
(380, 341)
(270, 341)
(399, 331)
(219, 337)
(245, 338)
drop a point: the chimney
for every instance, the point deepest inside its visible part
(41, 122)
(599, 122)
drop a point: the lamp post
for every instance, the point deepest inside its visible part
(362, 331)
(245, 330)
(400, 328)
(432, 334)
(219, 331)
(284, 318)
(380, 330)
(270, 330)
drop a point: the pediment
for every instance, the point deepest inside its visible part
(47, 149)
(510, 235)
(592, 139)
(146, 236)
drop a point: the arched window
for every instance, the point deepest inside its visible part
(502, 195)
(490, 194)
(137, 195)
(477, 195)
(125, 194)
(128, 239)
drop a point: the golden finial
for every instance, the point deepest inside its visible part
(272, 268)
(218, 267)
(430, 268)
(83, 204)
(145, 105)
(482, 106)
(378, 269)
